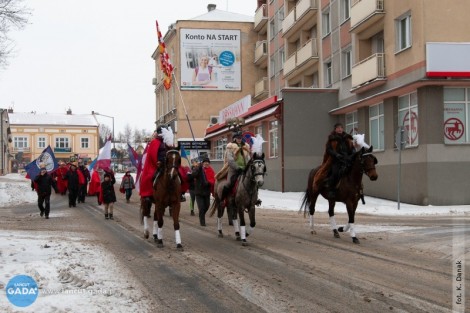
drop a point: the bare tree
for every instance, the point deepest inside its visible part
(128, 134)
(13, 15)
(104, 132)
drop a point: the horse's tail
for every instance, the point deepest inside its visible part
(307, 198)
(213, 206)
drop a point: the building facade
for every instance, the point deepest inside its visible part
(378, 66)
(69, 135)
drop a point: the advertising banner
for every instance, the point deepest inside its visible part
(210, 59)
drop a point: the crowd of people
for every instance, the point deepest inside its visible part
(199, 179)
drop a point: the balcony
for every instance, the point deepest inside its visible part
(307, 55)
(261, 19)
(368, 73)
(289, 64)
(365, 13)
(302, 17)
(261, 53)
(261, 88)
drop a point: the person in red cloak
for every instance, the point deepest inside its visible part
(59, 175)
(155, 156)
(94, 189)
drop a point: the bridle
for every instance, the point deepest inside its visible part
(365, 169)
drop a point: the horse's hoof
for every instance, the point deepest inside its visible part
(179, 247)
(146, 234)
(313, 232)
(341, 229)
(155, 238)
(244, 243)
(336, 234)
(247, 235)
(159, 243)
(355, 240)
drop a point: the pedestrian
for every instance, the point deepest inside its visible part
(59, 175)
(204, 176)
(73, 182)
(109, 196)
(95, 183)
(192, 195)
(44, 184)
(82, 189)
(127, 185)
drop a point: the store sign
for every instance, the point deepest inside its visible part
(195, 145)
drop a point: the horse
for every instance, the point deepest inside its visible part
(349, 191)
(244, 199)
(166, 193)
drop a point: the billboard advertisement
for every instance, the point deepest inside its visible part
(210, 59)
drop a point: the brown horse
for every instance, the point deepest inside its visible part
(349, 191)
(166, 193)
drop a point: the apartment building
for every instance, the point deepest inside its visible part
(69, 135)
(381, 67)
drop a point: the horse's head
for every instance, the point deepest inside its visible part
(368, 161)
(173, 162)
(258, 169)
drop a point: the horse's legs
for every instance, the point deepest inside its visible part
(241, 215)
(331, 213)
(176, 224)
(351, 207)
(311, 210)
(145, 211)
(220, 214)
(251, 215)
(158, 226)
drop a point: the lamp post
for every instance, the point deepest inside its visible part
(112, 117)
(2, 141)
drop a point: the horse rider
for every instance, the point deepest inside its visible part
(153, 166)
(237, 156)
(336, 159)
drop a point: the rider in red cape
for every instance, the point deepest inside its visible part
(155, 156)
(59, 175)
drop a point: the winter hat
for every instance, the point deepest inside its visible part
(107, 175)
(206, 159)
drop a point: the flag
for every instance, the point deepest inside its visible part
(165, 63)
(184, 154)
(133, 156)
(47, 158)
(104, 158)
(140, 167)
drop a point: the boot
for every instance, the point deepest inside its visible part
(192, 212)
(111, 216)
(106, 216)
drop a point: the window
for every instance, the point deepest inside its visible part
(345, 10)
(272, 65)
(84, 143)
(376, 126)
(273, 139)
(403, 32)
(408, 116)
(271, 29)
(351, 123)
(42, 142)
(328, 75)
(20, 143)
(219, 149)
(326, 26)
(62, 142)
(456, 115)
(346, 61)
(282, 58)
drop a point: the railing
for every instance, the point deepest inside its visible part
(261, 49)
(288, 21)
(360, 10)
(261, 15)
(261, 86)
(368, 69)
(290, 64)
(303, 6)
(309, 50)
(21, 149)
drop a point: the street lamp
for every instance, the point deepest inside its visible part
(112, 117)
(2, 140)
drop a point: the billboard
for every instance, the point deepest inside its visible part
(210, 59)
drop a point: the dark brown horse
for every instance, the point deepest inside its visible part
(166, 193)
(349, 191)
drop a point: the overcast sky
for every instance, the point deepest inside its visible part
(95, 55)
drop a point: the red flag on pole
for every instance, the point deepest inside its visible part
(165, 63)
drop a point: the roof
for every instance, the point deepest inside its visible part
(224, 16)
(53, 119)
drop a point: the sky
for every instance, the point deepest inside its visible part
(95, 56)
(47, 258)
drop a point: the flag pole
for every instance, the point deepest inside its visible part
(185, 111)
